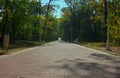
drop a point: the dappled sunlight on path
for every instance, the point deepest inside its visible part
(60, 60)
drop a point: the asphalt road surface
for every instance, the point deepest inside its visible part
(59, 60)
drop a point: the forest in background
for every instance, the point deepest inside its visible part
(87, 19)
(82, 20)
(24, 20)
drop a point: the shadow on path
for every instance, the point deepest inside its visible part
(80, 68)
(104, 57)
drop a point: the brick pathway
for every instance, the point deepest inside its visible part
(60, 60)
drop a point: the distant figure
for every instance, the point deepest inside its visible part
(59, 38)
(6, 41)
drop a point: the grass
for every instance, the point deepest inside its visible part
(20, 45)
(102, 47)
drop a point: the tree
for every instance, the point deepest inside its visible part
(24, 20)
(113, 23)
(73, 6)
(106, 23)
(85, 19)
(46, 18)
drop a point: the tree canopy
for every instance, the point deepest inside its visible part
(84, 20)
(87, 18)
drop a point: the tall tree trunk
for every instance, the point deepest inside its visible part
(106, 24)
(13, 23)
(5, 20)
(46, 20)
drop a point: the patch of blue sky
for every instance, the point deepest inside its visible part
(59, 4)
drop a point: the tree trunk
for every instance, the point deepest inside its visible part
(5, 20)
(106, 24)
(46, 19)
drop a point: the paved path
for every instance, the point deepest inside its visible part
(60, 60)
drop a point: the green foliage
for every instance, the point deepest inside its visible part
(87, 19)
(83, 19)
(24, 20)
(79, 16)
(114, 21)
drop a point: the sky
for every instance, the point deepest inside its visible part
(60, 3)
